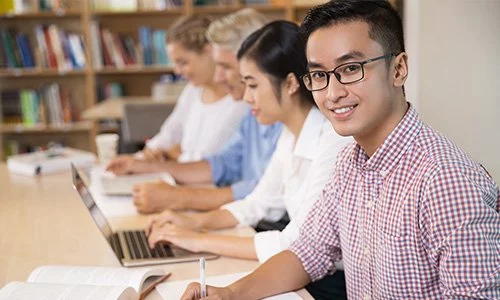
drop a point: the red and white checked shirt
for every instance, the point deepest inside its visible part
(417, 220)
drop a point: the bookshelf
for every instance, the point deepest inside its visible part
(83, 82)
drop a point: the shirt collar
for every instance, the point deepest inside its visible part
(394, 147)
(310, 134)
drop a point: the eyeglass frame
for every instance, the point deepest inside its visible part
(361, 63)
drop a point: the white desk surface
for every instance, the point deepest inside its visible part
(45, 222)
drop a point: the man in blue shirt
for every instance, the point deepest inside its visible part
(237, 169)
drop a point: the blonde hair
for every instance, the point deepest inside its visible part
(230, 31)
(190, 32)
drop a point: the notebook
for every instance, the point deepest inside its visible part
(113, 185)
(131, 247)
(49, 161)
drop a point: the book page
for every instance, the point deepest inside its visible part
(29, 291)
(93, 276)
(175, 289)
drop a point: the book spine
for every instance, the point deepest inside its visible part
(50, 49)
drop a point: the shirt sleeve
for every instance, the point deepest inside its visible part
(243, 188)
(461, 232)
(270, 243)
(266, 201)
(226, 165)
(171, 130)
(318, 244)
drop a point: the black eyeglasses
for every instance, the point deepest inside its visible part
(345, 73)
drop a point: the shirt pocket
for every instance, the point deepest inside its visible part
(401, 270)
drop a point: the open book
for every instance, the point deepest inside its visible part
(78, 283)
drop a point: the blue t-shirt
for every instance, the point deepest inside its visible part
(243, 160)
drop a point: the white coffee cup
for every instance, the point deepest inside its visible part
(107, 146)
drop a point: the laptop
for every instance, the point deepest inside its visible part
(113, 185)
(131, 247)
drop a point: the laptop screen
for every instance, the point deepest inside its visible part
(89, 202)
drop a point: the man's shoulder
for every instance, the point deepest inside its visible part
(440, 151)
(444, 161)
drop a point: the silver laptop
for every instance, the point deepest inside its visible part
(122, 185)
(131, 247)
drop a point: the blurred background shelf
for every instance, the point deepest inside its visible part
(76, 74)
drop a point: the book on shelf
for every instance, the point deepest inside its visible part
(110, 90)
(52, 5)
(153, 45)
(113, 49)
(50, 105)
(16, 50)
(59, 49)
(79, 283)
(159, 4)
(114, 5)
(15, 6)
(49, 161)
(215, 2)
(134, 5)
(20, 107)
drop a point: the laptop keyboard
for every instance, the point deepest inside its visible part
(137, 243)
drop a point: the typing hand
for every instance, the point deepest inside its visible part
(181, 237)
(168, 216)
(126, 164)
(121, 165)
(192, 292)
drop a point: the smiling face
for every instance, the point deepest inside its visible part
(366, 109)
(196, 67)
(227, 71)
(260, 93)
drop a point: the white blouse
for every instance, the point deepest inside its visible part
(202, 129)
(291, 183)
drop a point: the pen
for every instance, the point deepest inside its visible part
(152, 286)
(203, 288)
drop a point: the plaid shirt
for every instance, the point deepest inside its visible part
(417, 220)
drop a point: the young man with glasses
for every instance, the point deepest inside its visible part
(411, 214)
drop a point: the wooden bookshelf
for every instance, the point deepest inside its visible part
(23, 73)
(174, 12)
(135, 70)
(42, 15)
(78, 16)
(65, 128)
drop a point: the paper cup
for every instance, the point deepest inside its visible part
(107, 147)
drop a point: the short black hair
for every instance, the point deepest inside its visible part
(385, 24)
(278, 50)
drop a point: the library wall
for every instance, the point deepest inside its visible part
(454, 48)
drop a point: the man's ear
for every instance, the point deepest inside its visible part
(400, 69)
(291, 84)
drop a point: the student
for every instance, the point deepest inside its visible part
(411, 215)
(205, 117)
(237, 168)
(299, 168)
